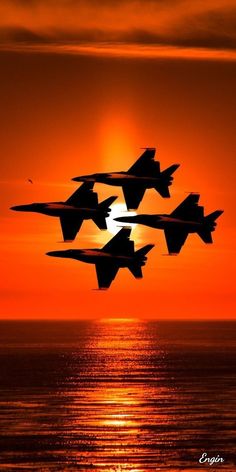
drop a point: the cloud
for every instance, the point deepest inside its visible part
(196, 25)
(19, 35)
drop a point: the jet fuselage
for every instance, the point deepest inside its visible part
(93, 256)
(123, 178)
(59, 209)
(165, 222)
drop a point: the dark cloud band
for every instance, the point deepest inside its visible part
(145, 23)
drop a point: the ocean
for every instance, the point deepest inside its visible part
(117, 395)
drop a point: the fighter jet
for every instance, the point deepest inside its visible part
(118, 252)
(145, 173)
(187, 218)
(81, 205)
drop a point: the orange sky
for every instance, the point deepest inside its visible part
(66, 114)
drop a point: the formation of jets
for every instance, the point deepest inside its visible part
(119, 252)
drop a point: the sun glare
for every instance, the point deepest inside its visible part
(118, 209)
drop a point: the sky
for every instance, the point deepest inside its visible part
(85, 85)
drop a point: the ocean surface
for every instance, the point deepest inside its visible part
(117, 395)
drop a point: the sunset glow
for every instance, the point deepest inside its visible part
(75, 102)
(117, 339)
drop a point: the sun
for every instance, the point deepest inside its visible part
(118, 209)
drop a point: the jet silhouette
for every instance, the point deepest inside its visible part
(81, 205)
(187, 218)
(145, 173)
(117, 253)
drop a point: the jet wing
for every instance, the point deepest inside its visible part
(175, 239)
(84, 196)
(106, 273)
(120, 244)
(189, 209)
(133, 195)
(145, 165)
(70, 227)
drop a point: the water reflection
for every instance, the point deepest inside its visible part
(116, 396)
(121, 400)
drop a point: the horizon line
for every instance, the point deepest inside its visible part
(116, 319)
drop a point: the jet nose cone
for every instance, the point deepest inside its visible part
(20, 208)
(84, 178)
(56, 253)
(121, 219)
(78, 179)
(126, 219)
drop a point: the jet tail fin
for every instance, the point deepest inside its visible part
(166, 179)
(106, 203)
(163, 190)
(103, 207)
(209, 226)
(140, 258)
(170, 170)
(205, 235)
(213, 216)
(136, 270)
(141, 253)
(100, 221)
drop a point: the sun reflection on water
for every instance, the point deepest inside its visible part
(120, 401)
(115, 396)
